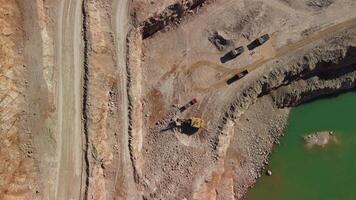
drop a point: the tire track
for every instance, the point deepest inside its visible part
(121, 25)
(69, 62)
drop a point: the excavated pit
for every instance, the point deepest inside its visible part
(185, 65)
(329, 67)
(86, 95)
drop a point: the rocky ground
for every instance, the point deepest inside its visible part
(89, 87)
(188, 61)
(252, 140)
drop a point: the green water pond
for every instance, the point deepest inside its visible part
(327, 173)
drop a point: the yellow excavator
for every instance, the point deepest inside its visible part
(194, 123)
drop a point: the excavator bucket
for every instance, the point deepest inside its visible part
(196, 122)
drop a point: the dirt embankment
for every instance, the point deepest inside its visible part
(101, 99)
(173, 14)
(135, 105)
(105, 103)
(252, 140)
(335, 72)
(18, 170)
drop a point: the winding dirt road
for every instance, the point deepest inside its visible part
(70, 62)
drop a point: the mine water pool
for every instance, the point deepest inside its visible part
(327, 173)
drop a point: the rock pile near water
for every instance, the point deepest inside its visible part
(321, 139)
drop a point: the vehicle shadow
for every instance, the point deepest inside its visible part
(185, 128)
(170, 127)
(225, 58)
(237, 77)
(232, 79)
(188, 130)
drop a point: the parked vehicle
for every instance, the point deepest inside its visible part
(258, 42)
(236, 52)
(264, 38)
(193, 122)
(186, 106)
(237, 77)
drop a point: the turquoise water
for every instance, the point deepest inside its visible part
(319, 173)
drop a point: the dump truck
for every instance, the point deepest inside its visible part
(237, 77)
(236, 52)
(232, 54)
(186, 106)
(261, 40)
(258, 42)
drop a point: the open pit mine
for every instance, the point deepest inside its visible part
(159, 99)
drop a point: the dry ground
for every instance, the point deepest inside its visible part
(180, 63)
(85, 99)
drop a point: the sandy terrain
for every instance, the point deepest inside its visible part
(39, 59)
(17, 169)
(69, 101)
(124, 180)
(90, 88)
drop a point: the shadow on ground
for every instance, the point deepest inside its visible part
(227, 57)
(185, 128)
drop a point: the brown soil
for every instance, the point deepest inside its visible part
(18, 171)
(89, 90)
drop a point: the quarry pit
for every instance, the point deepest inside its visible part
(89, 89)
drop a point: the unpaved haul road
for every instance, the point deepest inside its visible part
(124, 180)
(69, 62)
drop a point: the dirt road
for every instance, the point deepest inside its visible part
(124, 177)
(69, 60)
(304, 42)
